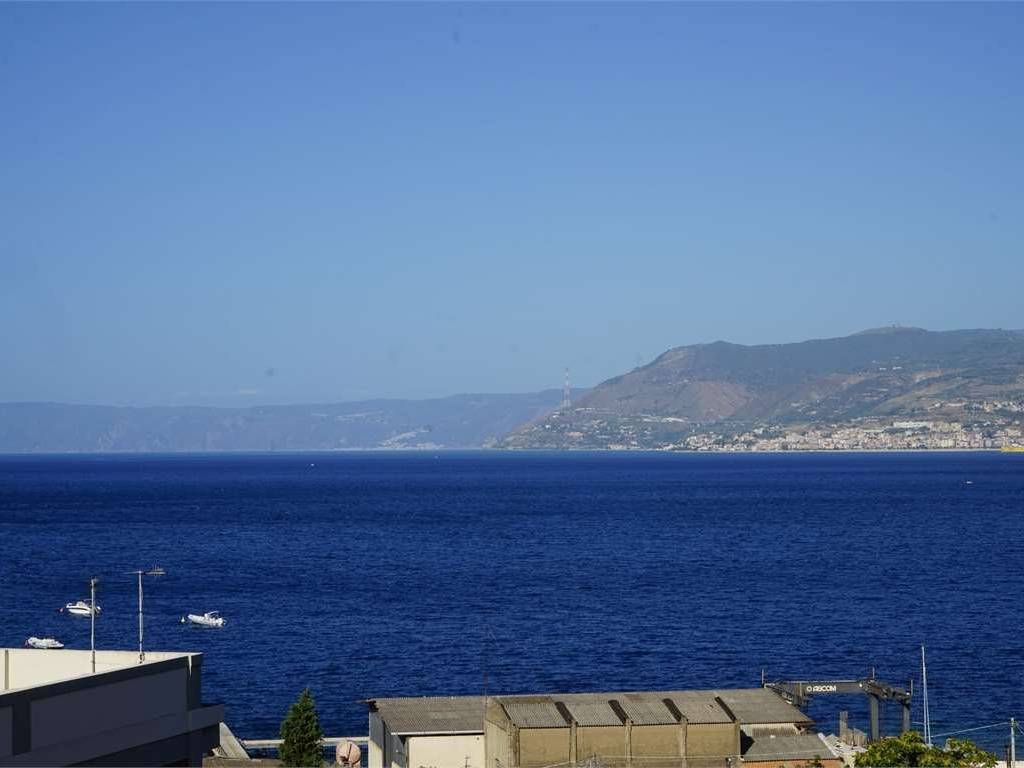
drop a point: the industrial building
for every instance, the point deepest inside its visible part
(792, 750)
(691, 729)
(65, 707)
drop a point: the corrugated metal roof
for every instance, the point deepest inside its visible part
(446, 714)
(591, 709)
(697, 707)
(533, 711)
(761, 731)
(760, 705)
(432, 714)
(644, 710)
(804, 746)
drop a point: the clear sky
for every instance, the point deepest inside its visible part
(238, 204)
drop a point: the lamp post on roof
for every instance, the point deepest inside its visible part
(92, 621)
(155, 571)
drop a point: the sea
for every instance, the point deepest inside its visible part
(363, 575)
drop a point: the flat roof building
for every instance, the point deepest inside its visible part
(56, 710)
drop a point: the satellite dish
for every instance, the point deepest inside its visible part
(347, 753)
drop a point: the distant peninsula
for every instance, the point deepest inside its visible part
(459, 421)
(891, 388)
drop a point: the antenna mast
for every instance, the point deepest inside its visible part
(566, 393)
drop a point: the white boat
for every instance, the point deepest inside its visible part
(208, 619)
(79, 608)
(43, 642)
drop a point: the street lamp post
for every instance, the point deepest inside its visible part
(140, 573)
(92, 621)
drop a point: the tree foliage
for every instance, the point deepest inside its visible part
(301, 736)
(909, 751)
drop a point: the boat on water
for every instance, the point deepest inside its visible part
(43, 643)
(208, 619)
(1012, 449)
(80, 608)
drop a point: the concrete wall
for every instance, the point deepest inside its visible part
(445, 751)
(543, 746)
(655, 742)
(375, 747)
(385, 749)
(497, 745)
(602, 740)
(6, 731)
(709, 744)
(72, 715)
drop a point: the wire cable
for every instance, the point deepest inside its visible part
(968, 730)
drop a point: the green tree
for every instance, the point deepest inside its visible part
(968, 753)
(908, 750)
(301, 737)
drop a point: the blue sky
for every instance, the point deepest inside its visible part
(235, 204)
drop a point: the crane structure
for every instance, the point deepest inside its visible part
(799, 692)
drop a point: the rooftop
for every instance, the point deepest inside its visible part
(801, 746)
(431, 714)
(465, 714)
(760, 705)
(30, 667)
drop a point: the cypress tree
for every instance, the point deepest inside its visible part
(301, 737)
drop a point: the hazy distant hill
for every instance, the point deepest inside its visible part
(461, 421)
(887, 373)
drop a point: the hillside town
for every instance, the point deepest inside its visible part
(952, 425)
(868, 436)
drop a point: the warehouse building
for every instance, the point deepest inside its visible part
(691, 729)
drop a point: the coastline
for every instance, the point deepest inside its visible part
(495, 451)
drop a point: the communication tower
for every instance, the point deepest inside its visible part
(566, 398)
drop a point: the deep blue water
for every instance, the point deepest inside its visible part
(381, 574)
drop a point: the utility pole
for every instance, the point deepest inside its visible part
(924, 687)
(1013, 743)
(92, 621)
(157, 571)
(142, 655)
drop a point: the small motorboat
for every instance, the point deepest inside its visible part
(43, 642)
(79, 608)
(208, 619)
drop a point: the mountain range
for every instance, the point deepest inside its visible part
(874, 377)
(460, 421)
(717, 395)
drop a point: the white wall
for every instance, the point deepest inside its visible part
(446, 751)
(28, 667)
